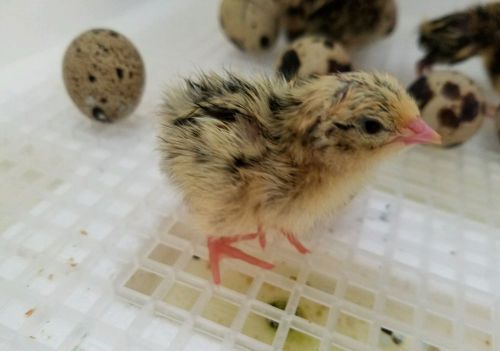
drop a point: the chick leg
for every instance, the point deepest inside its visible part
(221, 246)
(295, 242)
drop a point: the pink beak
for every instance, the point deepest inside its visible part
(419, 132)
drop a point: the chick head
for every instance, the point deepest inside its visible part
(359, 114)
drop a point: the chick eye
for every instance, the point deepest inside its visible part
(371, 126)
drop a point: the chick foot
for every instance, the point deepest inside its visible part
(295, 242)
(219, 247)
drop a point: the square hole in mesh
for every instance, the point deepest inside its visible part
(374, 242)
(360, 296)
(260, 328)
(236, 281)
(366, 267)
(161, 331)
(352, 326)
(407, 257)
(441, 293)
(297, 340)
(477, 340)
(438, 325)
(202, 342)
(182, 296)
(220, 311)
(119, 208)
(139, 188)
(478, 307)
(403, 282)
(54, 331)
(443, 270)
(39, 241)
(399, 310)
(182, 230)
(164, 254)
(16, 312)
(322, 282)
(88, 197)
(312, 311)
(273, 295)
(13, 266)
(97, 229)
(478, 281)
(286, 269)
(390, 340)
(83, 297)
(120, 314)
(199, 267)
(144, 282)
(64, 218)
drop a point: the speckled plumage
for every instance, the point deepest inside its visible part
(352, 22)
(460, 35)
(277, 154)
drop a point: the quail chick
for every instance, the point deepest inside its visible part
(353, 22)
(458, 36)
(253, 155)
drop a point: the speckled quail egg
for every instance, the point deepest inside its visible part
(451, 103)
(353, 22)
(313, 55)
(104, 74)
(251, 25)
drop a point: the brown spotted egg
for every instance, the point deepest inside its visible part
(451, 103)
(313, 55)
(251, 25)
(103, 74)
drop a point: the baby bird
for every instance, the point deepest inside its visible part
(253, 155)
(353, 23)
(458, 36)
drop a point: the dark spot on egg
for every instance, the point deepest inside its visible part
(328, 43)
(470, 108)
(290, 64)
(451, 90)
(421, 91)
(334, 67)
(99, 115)
(448, 118)
(113, 33)
(92, 78)
(264, 42)
(104, 100)
(196, 257)
(119, 73)
(295, 11)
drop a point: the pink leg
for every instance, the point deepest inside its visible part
(262, 237)
(295, 242)
(219, 247)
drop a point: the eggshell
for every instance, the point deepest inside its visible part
(103, 74)
(313, 55)
(451, 103)
(251, 25)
